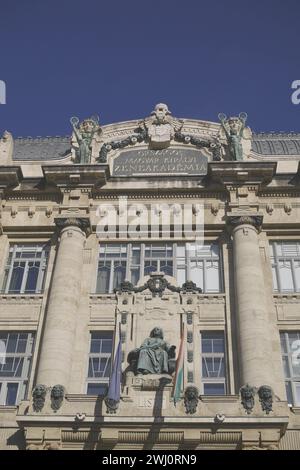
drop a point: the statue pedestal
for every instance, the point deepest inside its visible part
(149, 381)
(150, 391)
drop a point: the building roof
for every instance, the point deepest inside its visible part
(58, 148)
(41, 148)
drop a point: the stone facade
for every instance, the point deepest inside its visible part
(248, 203)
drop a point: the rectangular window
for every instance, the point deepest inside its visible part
(184, 261)
(99, 365)
(213, 370)
(25, 269)
(290, 348)
(285, 259)
(15, 358)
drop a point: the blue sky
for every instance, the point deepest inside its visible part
(116, 58)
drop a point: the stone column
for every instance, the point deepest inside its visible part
(57, 344)
(255, 362)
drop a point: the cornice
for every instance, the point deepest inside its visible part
(232, 173)
(70, 176)
(10, 176)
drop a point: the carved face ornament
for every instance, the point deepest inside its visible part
(161, 110)
(234, 124)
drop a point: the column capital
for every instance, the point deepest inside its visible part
(82, 222)
(235, 220)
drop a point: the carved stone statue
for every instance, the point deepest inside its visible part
(6, 148)
(161, 127)
(266, 398)
(38, 397)
(247, 397)
(154, 356)
(57, 396)
(191, 398)
(82, 138)
(235, 132)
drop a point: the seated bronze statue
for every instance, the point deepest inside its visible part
(155, 356)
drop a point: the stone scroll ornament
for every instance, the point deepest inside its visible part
(235, 132)
(83, 135)
(38, 397)
(158, 130)
(265, 394)
(191, 399)
(247, 397)
(57, 396)
(157, 285)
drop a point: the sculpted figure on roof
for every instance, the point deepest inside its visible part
(83, 136)
(161, 126)
(236, 135)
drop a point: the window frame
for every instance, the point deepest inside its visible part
(177, 261)
(292, 380)
(91, 355)
(24, 378)
(222, 355)
(276, 259)
(40, 249)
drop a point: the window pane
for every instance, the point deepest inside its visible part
(289, 395)
(96, 389)
(196, 273)
(103, 279)
(297, 393)
(32, 277)
(285, 274)
(16, 278)
(283, 343)
(11, 344)
(11, 394)
(135, 276)
(136, 255)
(167, 267)
(119, 275)
(286, 368)
(150, 267)
(212, 277)
(214, 389)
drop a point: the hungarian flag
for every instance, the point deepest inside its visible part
(179, 370)
(115, 378)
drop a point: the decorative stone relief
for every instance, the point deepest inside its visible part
(191, 398)
(57, 396)
(266, 398)
(189, 336)
(215, 208)
(247, 397)
(270, 209)
(161, 127)
(38, 397)
(287, 208)
(190, 377)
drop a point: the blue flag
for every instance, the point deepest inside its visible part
(114, 387)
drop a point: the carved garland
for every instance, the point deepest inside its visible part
(141, 135)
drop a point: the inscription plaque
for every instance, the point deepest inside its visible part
(160, 162)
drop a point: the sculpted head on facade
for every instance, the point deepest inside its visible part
(161, 111)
